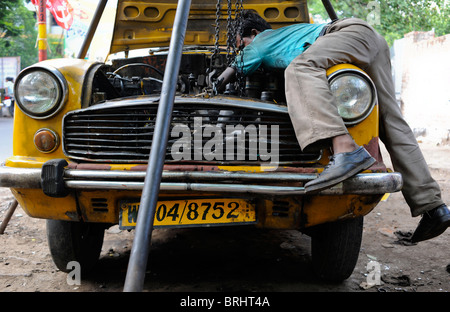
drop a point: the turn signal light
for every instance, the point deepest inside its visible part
(46, 140)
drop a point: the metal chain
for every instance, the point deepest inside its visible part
(237, 16)
(231, 38)
(217, 33)
(230, 35)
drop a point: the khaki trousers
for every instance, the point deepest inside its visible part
(315, 117)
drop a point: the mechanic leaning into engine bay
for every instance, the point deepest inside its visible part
(306, 51)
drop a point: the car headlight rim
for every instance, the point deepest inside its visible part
(349, 72)
(61, 91)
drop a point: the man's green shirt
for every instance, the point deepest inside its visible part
(276, 48)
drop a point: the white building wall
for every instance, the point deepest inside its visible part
(422, 77)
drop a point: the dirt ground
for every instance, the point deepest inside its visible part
(237, 259)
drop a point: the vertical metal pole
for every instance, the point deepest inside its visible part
(141, 244)
(42, 30)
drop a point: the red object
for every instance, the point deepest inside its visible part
(62, 11)
(42, 55)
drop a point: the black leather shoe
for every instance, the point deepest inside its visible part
(341, 167)
(433, 223)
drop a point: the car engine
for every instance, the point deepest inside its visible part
(144, 76)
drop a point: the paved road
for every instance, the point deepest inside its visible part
(6, 137)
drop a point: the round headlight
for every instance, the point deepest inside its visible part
(40, 93)
(355, 96)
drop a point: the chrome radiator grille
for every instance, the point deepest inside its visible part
(123, 134)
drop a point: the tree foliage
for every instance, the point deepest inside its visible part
(8, 26)
(17, 31)
(393, 18)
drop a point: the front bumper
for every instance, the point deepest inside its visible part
(271, 183)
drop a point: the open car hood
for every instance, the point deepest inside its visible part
(145, 24)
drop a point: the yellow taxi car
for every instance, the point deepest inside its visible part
(83, 132)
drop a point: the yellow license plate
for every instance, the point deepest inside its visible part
(189, 212)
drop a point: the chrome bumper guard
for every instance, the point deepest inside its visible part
(232, 182)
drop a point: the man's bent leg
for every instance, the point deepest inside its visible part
(311, 104)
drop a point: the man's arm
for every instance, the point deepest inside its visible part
(226, 77)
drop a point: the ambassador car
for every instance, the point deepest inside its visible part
(83, 131)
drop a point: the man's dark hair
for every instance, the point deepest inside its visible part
(248, 20)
